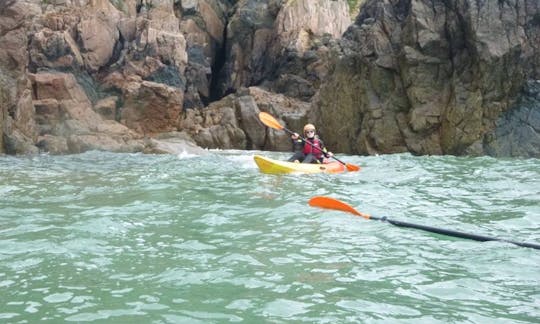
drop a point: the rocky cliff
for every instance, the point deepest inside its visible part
(435, 77)
(427, 77)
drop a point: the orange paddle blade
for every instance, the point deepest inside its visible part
(269, 121)
(331, 203)
(352, 167)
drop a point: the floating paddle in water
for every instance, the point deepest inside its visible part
(331, 203)
(271, 122)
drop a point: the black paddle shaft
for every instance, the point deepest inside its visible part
(443, 231)
(306, 141)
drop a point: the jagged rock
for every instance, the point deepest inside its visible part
(64, 111)
(517, 132)
(215, 126)
(152, 58)
(17, 128)
(55, 49)
(17, 143)
(298, 21)
(268, 38)
(428, 77)
(152, 108)
(290, 112)
(173, 143)
(55, 145)
(233, 122)
(106, 107)
(98, 37)
(203, 25)
(97, 141)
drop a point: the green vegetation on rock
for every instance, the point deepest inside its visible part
(354, 6)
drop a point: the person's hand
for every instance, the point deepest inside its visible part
(295, 136)
(330, 154)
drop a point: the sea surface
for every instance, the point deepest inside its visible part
(132, 238)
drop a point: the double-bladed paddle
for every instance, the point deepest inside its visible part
(271, 122)
(331, 203)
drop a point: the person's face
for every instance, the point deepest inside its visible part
(310, 133)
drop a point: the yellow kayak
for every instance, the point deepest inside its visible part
(271, 166)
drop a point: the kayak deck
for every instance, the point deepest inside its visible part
(271, 166)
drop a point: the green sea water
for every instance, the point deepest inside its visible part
(127, 238)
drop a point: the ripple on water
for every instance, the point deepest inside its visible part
(285, 308)
(58, 297)
(157, 238)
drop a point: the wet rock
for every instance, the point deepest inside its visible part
(517, 132)
(428, 77)
(173, 143)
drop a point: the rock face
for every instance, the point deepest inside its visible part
(431, 77)
(67, 122)
(233, 122)
(425, 76)
(97, 74)
(517, 132)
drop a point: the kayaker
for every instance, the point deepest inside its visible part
(306, 153)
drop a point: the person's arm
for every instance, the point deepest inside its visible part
(297, 142)
(326, 153)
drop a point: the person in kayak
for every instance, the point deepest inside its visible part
(306, 153)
